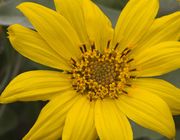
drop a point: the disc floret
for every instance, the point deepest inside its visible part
(101, 74)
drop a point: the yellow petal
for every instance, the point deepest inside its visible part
(169, 93)
(31, 45)
(147, 110)
(72, 10)
(166, 28)
(36, 85)
(134, 21)
(99, 27)
(158, 59)
(50, 122)
(54, 28)
(111, 123)
(79, 124)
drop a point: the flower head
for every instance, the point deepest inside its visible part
(105, 70)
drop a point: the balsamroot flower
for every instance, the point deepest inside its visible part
(106, 71)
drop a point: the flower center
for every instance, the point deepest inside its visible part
(103, 72)
(100, 75)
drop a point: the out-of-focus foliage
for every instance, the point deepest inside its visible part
(17, 118)
(9, 63)
(114, 4)
(7, 114)
(9, 14)
(167, 6)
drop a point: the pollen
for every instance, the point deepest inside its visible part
(101, 74)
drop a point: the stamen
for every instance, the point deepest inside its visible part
(133, 69)
(124, 91)
(84, 46)
(92, 47)
(83, 58)
(81, 49)
(110, 55)
(108, 44)
(133, 77)
(129, 85)
(116, 46)
(73, 61)
(124, 52)
(68, 72)
(130, 60)
(127, 52)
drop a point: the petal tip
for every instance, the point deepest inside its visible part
(11, 30)
(22, 5)
(2, 100)
(26, 5)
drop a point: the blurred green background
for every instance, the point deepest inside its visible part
(17, 118)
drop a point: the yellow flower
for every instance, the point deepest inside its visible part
(106, 71)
